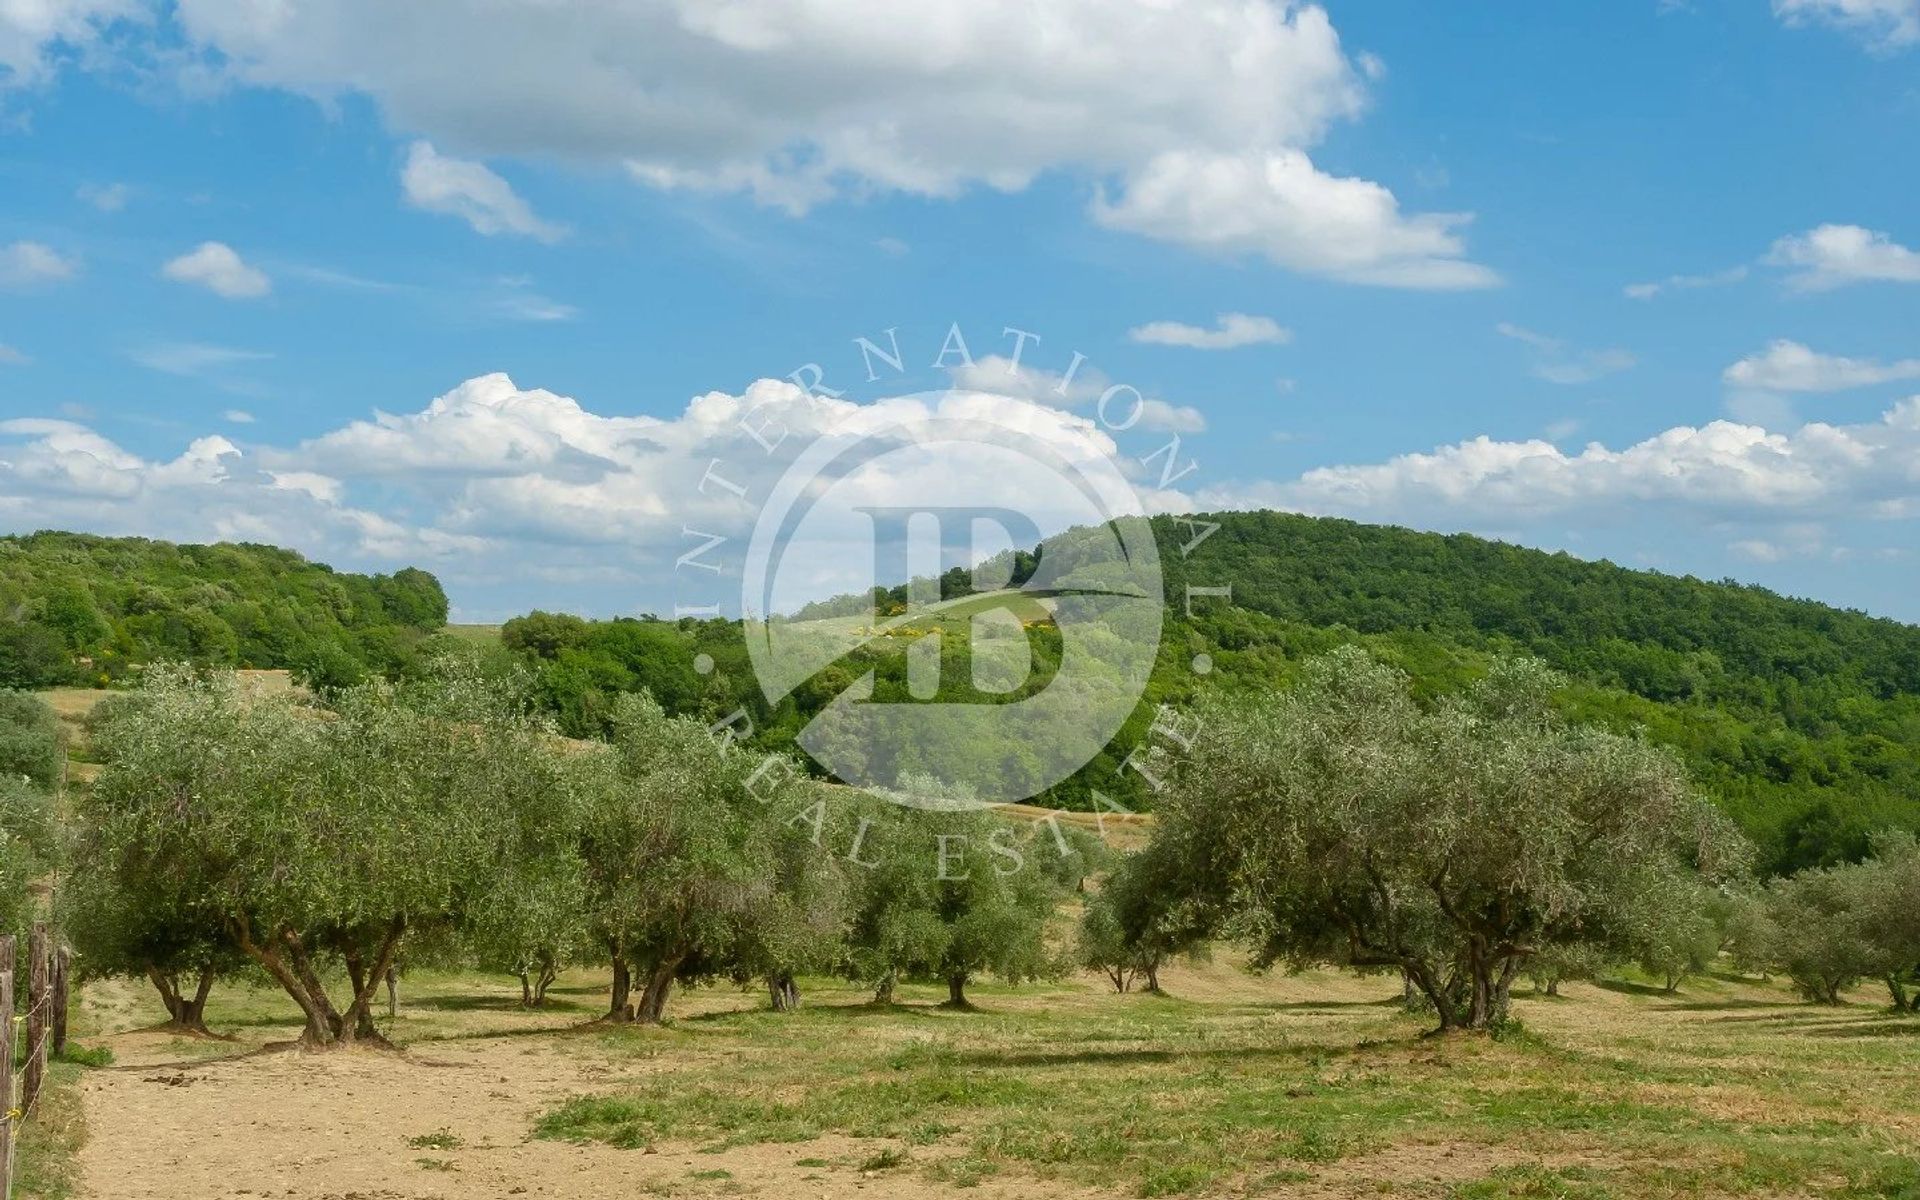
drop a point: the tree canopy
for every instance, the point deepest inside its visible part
(1342, 821)
(76, 608)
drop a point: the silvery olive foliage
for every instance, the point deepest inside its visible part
(1343, 822)
(313, 839)
(1829, 928)
(946, 897)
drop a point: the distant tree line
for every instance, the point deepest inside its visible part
(79, 609)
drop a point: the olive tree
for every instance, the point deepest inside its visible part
(1891, 910)
(1342, 822)
(1676, 928)
(32, 744)
(318, 838)
(1139, 919)
(800, 925)
(948, 896)
(679, 842)
(1828, 928)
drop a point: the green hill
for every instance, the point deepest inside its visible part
(1802, 720)
(81, 609)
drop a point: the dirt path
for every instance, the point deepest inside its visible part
(339, 1127)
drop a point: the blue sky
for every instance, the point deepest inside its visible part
(1464, 247)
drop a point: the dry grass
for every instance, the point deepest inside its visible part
(1234, 1085)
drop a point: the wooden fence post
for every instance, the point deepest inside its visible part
(6, 1062)
(39, 993)
(62, 964)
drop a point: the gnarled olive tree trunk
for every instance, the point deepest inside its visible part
(287, 958)
(185, 1014)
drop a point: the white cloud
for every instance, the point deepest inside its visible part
(1278, 205)
(31, 32)
(107, 197)
(12, 357)
(1718, 472)
(193, 358)
(237, 416)
(1673, 283)
(997, 375)
(63, 474)
(801, 103)
(1834, 256)
(504, 485)
(26, 264)
(1887, 24)
(1787, 366)
(1230, 331)
(1557, 362)
(218, 268)
(437, 183)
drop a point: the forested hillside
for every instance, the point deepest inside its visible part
(81, 609)
(1802, 720)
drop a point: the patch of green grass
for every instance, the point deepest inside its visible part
(45, 1145)
(439, 1140)
(436, 1164)
(885, 1160)
(1754, 1096)
(84, 1056)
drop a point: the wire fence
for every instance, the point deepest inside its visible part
(32, 1036)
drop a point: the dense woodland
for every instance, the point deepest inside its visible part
(79, 609)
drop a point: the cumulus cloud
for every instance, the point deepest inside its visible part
(32, 32)
(1278, 205)
(1787, 366)
(1557, 362)
(437, 183)
(1087, 388)
(1723, 471)
(494, 482)
(27, 264)
(1833, 256)
(799, 104)
(218, 268)
(1887, 24)
(1230, 331)
(62, 474)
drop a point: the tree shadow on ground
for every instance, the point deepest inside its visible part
(1628, 988)
(1305, 1052)
(1886, 1025)
(927, 1011)
(502, 1002)
(1720, 1005)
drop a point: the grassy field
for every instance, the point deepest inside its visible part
(1235, 1085)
